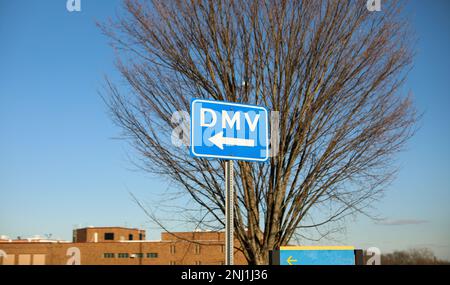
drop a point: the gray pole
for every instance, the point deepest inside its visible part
(229, 203)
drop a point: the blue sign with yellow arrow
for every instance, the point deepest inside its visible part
(317, 255)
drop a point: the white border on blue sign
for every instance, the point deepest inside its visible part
(225, 156)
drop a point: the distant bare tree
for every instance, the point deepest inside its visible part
(414, 256)
(333, 71)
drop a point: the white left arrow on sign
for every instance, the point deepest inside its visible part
(219, 140)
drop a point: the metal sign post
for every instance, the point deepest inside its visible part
(229, 212)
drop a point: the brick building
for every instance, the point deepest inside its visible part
(119, 246)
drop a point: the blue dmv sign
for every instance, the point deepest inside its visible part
(229, 131)
(317, 255)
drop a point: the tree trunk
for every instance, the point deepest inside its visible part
(259, 258)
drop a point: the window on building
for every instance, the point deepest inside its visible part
(123, 255)
(108, 255)
(140, 236)
(197, 249)
(109, 236)
(74, 236)
(152, 255)
(172, 249)
(139, 255)
(130, 237)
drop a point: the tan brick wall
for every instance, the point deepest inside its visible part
(80, 235)
(185, 253)
(216, 236)
(88, 234)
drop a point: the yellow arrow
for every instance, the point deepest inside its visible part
(290, 260)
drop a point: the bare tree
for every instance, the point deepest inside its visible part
(333, 71)
(413, 256)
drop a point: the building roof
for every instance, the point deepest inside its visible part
(33, 240)
(92, 227)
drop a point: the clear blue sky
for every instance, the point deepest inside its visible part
(60, 166)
